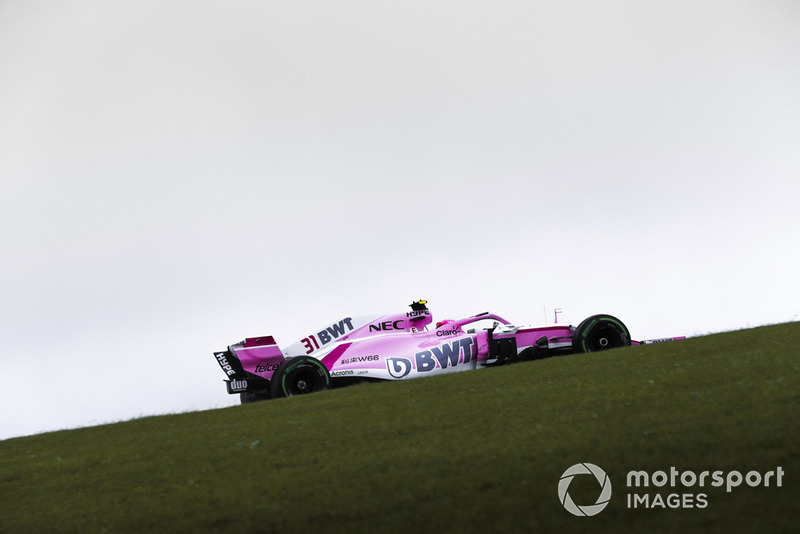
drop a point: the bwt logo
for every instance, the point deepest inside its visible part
(602, 500)
(446, 355)
(398, 367)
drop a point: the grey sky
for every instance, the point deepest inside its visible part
(176, 176)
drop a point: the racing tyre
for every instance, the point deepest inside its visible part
(600, 332)
(298, 376)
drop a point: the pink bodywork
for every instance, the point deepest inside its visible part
(259, 355)
(406, 345)
(397, 346)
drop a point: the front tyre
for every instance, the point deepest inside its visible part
(600, 332)
(298, 376)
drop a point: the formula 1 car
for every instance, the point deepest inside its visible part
(402, 346)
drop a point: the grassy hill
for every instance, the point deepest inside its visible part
(469, 452)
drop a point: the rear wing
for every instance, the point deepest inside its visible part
(250, 364)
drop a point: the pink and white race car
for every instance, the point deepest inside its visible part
(402, 346)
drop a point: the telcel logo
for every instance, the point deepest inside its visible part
(602, 500)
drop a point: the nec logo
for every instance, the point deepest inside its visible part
(386, 325)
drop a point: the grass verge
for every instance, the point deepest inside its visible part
(469, 452)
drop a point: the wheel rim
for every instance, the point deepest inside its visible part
(302, 381)
(604, 338)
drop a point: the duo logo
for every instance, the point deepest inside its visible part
(584, 469)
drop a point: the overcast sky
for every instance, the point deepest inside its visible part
(177, 176)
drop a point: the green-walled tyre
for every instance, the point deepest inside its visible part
(300, 375)
(600, 332)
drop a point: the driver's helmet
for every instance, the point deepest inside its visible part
(444, 322)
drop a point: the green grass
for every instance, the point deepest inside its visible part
(470, 452)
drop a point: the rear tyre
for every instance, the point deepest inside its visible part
(298, 376)
(600, 332)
